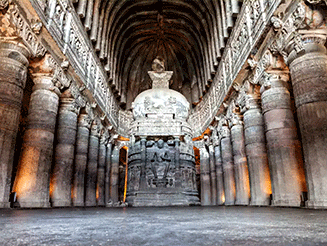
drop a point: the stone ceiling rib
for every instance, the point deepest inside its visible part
(188, 34)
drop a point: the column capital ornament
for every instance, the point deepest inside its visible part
(84, 121)
(4, 4)
(234, 115)
(248, 97)
(223, 128)
(302, 26)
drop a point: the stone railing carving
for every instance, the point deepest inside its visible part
(62, 22)
(253, 20)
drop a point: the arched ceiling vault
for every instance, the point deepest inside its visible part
(128, 34)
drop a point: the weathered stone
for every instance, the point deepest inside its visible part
(64, 152)
(256, 153)
(228, 167)
(101, 172)
(284, 149)
(213, 177)
(309, 79)
(33, 174)
(205, 177)
(242, 184)
(82, 146)
(13, 70)
(114, 175)
(108, 170)
(219, 175)
(92, 167)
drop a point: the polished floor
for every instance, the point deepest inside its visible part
(164, 226)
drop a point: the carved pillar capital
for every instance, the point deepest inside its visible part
(42, 73)
(84, 121)
(248, 97)
(4, 4)
(234, 115)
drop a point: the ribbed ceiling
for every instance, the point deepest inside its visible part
(188, 34)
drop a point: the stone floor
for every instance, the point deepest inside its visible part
(164, 226)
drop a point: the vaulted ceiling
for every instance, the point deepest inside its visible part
(189, 35)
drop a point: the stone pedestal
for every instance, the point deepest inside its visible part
(82, 146)
(228, 166)
(255, 146)
(219, 176)
(114, 179)
(33, 174)
(309, 79)
(284, 149)
(13, 70)
(108, 170)
(64, 152)
(101, 172)
(205, 177)
(242, 184)
(92, 167)
(213, 176)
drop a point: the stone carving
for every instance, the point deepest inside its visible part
(4, 4)
(64, 26)
(242, 40)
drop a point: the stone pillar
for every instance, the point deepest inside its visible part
(256, 152)
(308, 70)
(102, 170)
(143, 184)
(114, 179)
(64, 152)
(13, 71)
(178, 183)
(92, 166)
(219, 175)
(108, 170)
(205, 177)
(33, 174)
(284, 148)
(228, 165)
(213, 176)
(242, 183)
(82, 146)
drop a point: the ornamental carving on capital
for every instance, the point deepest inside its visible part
(233, 114)
(4, 4)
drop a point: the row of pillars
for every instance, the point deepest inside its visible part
(64, 158)
(255, 153)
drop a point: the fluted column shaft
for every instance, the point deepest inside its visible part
(256, 153)
(219, 176)
(284, 148)
(242, 184)
(228, 166)
(101, 172)
(33, 174)
(309, 79)
(213, 177)
(205, 177)
(82, 146)
(108, 171)
(64, 152)
(13, 71)
(114, 179)
(92, 167)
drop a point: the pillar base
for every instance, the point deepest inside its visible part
(242, 203)
(260, 203)
(61, 204)
(78, 204)
(286, 203)
(316, 204)
(4, 204)
(34, 204)
(229, 204)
